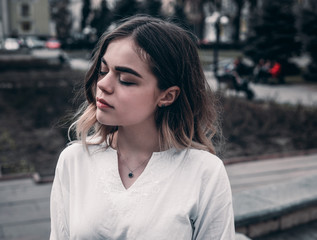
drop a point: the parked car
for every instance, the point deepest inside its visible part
(34, 42)
(11, 44)
(53, 43)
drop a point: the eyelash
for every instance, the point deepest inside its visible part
(126, 83)
(103, 73)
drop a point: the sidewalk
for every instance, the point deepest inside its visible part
(267, 195)
(304, 94)
(272, 195)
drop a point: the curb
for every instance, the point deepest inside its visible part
(269, 156)
(36, 177)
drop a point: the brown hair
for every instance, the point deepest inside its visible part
(191, 121)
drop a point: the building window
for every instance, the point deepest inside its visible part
(26, 26)
(25, 10)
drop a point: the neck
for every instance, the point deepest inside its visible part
(137, 142)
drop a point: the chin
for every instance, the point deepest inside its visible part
(103, 120)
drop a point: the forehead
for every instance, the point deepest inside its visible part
(125, 52)
(127, 47)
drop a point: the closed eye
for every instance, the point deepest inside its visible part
(103, 68)
(126, 83)
(102, 73)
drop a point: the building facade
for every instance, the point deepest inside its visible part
(19, 18)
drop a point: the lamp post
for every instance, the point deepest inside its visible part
(220, 20)
(216, 46)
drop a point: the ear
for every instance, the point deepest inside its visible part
(168, 96)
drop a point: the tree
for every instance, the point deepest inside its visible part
(102, 18)
(152, 7)
(308, 29)
(85, 13)
(193, 13)
(62, 18)
(236, 21)
(125, 8)
(179, 16)
(272, 32)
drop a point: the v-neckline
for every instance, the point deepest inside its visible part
(144, 173)
(138, 179)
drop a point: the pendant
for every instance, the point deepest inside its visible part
(131, 175)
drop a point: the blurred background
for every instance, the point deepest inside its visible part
(260, 57)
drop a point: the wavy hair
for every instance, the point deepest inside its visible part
(171, 52)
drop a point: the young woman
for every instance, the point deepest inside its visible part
(145, 166)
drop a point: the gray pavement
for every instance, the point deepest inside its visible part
(307, 232)
(268, 195)
(305, 94)
(24, 210)
(275, 194)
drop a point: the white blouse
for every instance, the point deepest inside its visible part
(180, 195)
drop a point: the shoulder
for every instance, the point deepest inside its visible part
(73, 148)
(209, 170)
(203, 157)
(204, 164)
(198, 162)
(77, 151)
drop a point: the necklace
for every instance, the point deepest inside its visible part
(131, 174)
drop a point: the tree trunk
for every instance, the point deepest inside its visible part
(236, 22)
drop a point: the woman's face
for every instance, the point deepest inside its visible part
(127, 92)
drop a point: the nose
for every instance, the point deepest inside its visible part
(105, 83)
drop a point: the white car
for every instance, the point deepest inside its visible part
(11, 44)
(34, 42)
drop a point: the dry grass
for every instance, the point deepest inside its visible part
(259, 128)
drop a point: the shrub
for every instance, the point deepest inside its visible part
(258, 128)
(32, 103)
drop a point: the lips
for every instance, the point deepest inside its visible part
(103, 104)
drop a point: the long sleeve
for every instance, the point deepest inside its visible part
(59, 205)
(215, 213)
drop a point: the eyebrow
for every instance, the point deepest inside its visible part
(123, 69)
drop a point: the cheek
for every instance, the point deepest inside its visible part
(147, 98)
(138, 103)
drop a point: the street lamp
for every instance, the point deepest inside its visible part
(219, 20)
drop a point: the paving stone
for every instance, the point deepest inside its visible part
(274, 199)
(19, 190)
(37, 230)
(24, 212)
(248, 175)
(303, 232)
